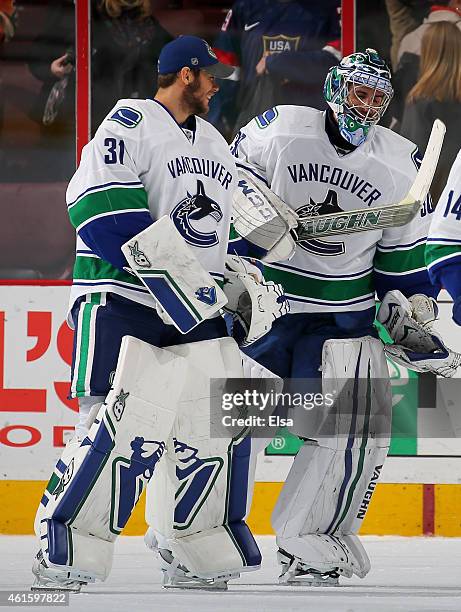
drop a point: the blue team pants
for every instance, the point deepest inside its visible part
(293, 348)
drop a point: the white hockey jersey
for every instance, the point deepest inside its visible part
(288, 147)
(443, 249)
(140, 166)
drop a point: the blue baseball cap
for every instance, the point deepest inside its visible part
(193, 52)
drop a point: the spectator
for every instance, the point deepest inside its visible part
(51, 62)
(7, 20)
(403, 18)
(437, 95)
(126, 42)
(409, 52)
(7, 29)
(443, 10)
(262, 37)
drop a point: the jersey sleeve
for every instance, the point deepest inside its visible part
(443, 248)
(399, 262)
(107, 201)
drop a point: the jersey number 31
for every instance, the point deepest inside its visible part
(115, 154)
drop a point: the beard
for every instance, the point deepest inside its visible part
(194, 104)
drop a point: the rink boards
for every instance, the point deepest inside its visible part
(419, 492)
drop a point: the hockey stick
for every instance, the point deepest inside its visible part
(392, 215)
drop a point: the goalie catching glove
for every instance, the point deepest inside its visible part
(253, 303)
(417, 346)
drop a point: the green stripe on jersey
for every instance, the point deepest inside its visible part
(100, 202)
(434, 252)
(233, 235)
(95, 269)
(92, 268)
(404, 260)
(334, 290)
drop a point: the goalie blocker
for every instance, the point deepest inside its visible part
(173, 275)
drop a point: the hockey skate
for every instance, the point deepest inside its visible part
(53, 579)
(176, 576)
(295, 572)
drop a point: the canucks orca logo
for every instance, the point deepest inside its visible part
(131, 476)
(207, 295)
(118, 407)
(197, 477)
(140, 258)
(195, 208)
(314, 209)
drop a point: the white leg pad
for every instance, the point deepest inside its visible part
(325, 553)
(196, 551)
(204, 483)
(101, 483)
(331, 482)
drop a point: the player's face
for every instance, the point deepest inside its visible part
(366, 101)
(199, 92)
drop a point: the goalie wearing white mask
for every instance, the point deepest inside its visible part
(319, 163)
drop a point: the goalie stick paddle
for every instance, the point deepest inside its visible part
(391, 215)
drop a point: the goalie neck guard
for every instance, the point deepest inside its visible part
(344, 91)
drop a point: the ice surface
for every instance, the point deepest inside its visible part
(408, 574)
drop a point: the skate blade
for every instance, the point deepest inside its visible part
(187, 586)
(56, 589)
(308, 583)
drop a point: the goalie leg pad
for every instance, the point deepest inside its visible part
(204, 483)
(88, 411)
(106, 473)
(330, 484)
(173, 275)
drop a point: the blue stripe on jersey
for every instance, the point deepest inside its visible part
(105, 235)
(320, 274)
(396, 247)
(304, 300)
(448, 240)
(239, 164)
(101, 283)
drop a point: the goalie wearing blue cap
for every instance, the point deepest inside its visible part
(151, 204)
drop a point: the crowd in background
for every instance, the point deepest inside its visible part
(282, 50)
